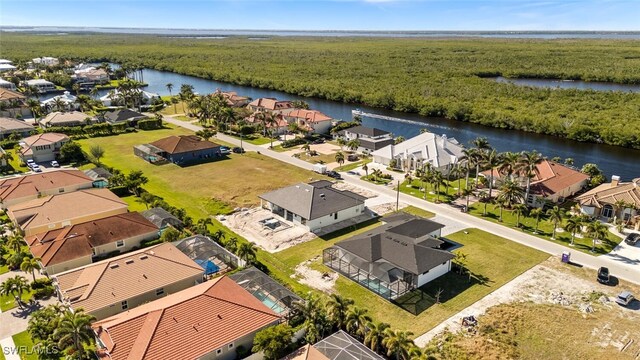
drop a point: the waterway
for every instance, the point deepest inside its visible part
(611, 159)
(571, 84)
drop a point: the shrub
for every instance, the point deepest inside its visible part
(44, 292)
(120, 191)
(293, 142)
(150, 124)
(41, 283)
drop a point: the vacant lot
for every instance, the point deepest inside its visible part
(203, 189)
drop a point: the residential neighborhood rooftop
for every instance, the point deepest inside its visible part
(610, 193)
(121, 115)
(161, 217)
(43, 139)
(7, 95)
(171, 328)
(367, 131)
(271, 104)
(8, 125)
(34, 184)
(183, 143)
(60, 118)
(309, 115)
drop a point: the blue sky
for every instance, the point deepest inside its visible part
(329, 15)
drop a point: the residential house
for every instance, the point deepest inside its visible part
(227, 318)
(606, 201)
(42, 147)
(232, 98)
(43, 86)
(57, 211)
(8, 85)
(211, 256)
(371, 139)
(46, 61)
(69, 118)
(180, 149)
(127, 116)
(100, 177)
(337, 346)
(273, 294)
(66, 99)
(278, 127)
(272, 105)
(393, 259)
(5, 65)
(91, 75)
(10, 126)
(78, 245)
(316, 205)
(414, 153)
(13, 103)
(162, 218)
(550, 182)
(312, 121)
(121, 283)
(19, 189)
(113, 98)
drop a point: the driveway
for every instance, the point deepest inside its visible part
(624, 252)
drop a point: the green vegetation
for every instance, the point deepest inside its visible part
(8, 302)
(353, 165)
(433, 77)
(447, 191)
(24, 344)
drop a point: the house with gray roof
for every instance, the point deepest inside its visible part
(120, 116)
(162, 218)
(315, 205)
(403, 254)
(371, 139)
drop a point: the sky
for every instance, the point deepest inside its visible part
(501, 15)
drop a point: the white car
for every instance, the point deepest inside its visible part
(30, 162)
(36, 168)
(55, 164)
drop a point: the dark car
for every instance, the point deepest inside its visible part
(603, 275)
(334, 174)
(632, 239)
(238, 150)
(318, 141)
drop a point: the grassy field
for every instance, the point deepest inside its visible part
(545, 229)
(179, 108)
(7, 302)
(23, 341)
(318, 159)
(353, 165)
(446, 194)
(4, 269)
(492, 260)
(13, 167)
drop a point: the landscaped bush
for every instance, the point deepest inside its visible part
(148, 243)
(41, 283)
(44, 292)
(293, 142)
(150, 124)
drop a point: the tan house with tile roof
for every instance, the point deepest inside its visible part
(67, 118)
(271, 104)
(42, 147)
(78, 245)
(10, 126)
(14, 103)
(207, 321)
(310, 120)
(28, 187)
(232, 98)
(57, 211)
(112, 286)
(603, 201)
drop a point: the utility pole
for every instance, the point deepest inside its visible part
(398, 197)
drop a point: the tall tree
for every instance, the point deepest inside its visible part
(337, 308)
(597, 231)
(536, 213)
(527, 167)
(339, 158)
(519, 210)
(491, 161)
(169, 88)
(75, 334)
(97, 152)
(30, 264)
(273, 341)
(398, 344)
(247, 251)
(555, 215)
(356, 321)
(574, 224)
(376, 332)
(511, 193)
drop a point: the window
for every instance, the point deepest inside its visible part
(120, 243)
(61, 190)
(219, 351)
(231, 346)
(160, 292)
(607, 211)
(335, 216)
(124, 305)
(94, 251)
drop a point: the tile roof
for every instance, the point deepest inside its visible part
(609, 194)
(30, 185)
(72, 242)
(185, 325)
(66, 206)
(6, 95)
(96, 286)
(59, 117)
(9, 125)
(313, 116)
(313, 200)
(271, 104)
(183, 143)
(39, 140)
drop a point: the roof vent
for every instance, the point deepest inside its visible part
(130, 261)
(219, 316)
(113, 266)
(322, 196)
(143, 257)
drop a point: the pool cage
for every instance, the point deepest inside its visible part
(381, 277)
(275, 296)
(341, 345)
(213, 258)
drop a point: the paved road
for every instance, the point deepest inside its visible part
(621, 266)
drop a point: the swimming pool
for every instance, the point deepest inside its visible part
(269, 302)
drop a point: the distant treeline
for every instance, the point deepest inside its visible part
(432, 77)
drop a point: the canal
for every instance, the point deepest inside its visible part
(611, 159)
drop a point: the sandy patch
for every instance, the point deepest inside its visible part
(382, 209)
(246, 223)
(356, 189)
(325, 148)
(324, 282)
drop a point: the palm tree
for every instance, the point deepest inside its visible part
(231, 244)
(527, 166)
(466, 193)
(58, 104)
(535, 213)
(620, 205)
(491, 160)
(468, 157)
(509, 164)
(500, 204)
(306, 148)
(15, 286)
(573, 225)
(511, 193)
(519, 209)
(398, 343)
(555, 214)
(169, 87)
(218, 236)
(457, 171)
(340, 158)
(353, 144)
(337, 308)
(597, 231)
(247, 251)
(437, 180)
(484, 197)
(30, 264)
(75, 333)
(356, 321)
(15, 242)
(366, 169)
(202, 226)
(342, 142)
(93, 92)
(375, 334)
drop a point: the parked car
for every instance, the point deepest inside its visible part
(36, 168)
(30, 163)
(334, 174)
(238, 150)
(632, 239)
(624, 298)
(318, 141)
(603, 275)
(353, 173)
(55, 164)
(352, 157)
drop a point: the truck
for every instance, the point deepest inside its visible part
(320, 168)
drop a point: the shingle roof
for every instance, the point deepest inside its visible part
(95, 286)
(56, 118)
(121, 115)
(66, 206)
(609, 194)
(367, 131)
(185, 325)
(403, 242)
(9, 125)
(61, 245)
(313, 200)
(161, 217)
(30, 185)
(183, 143)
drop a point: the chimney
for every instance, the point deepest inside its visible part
(444, 141)
(615, 180)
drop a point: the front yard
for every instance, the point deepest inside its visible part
(24, 344)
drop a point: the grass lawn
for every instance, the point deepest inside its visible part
(4, 269)
(255, 139)
(7, 302)
(446, 194)
(13, 167)
(418, 212)
(353, 165)
(545, 229)
(179, 108)
(378, 181)
(134, 205)
(492, 260)
(24, 344)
